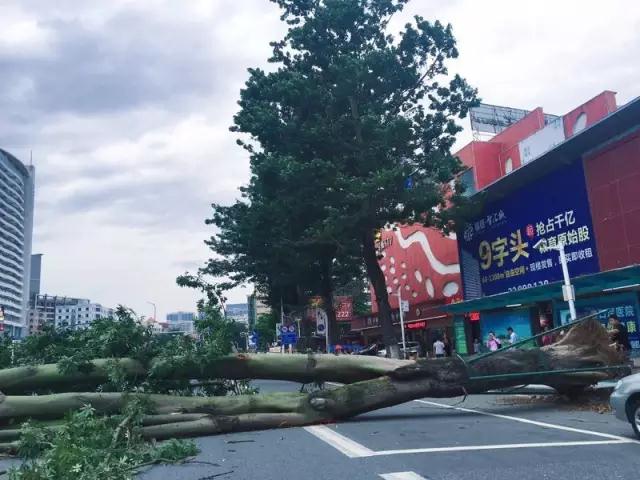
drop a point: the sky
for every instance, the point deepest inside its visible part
(125, 108)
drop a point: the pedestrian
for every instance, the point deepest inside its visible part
(493, 342)
(619, 334)
(548, 337)
(438, 348)
(447, 344)
(512, 336)
(476, 345)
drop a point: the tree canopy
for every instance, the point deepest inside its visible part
(360, 111)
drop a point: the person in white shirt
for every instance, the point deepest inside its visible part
(438, 348)
(513, 336)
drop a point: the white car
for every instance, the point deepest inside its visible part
(413, 348)
(625, 401)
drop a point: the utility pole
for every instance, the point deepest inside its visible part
(568, 292)
(155, 318)
(281, 324)
(326, 333)
(404, 343)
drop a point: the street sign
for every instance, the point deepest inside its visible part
(288, 334)
(278, 331)
(344, 308)
(321, 321)
(405, 305)
(289, 339)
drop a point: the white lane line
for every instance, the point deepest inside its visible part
(402, 476)
(350, 448)
(471, 448)
(531, 422)
(353, 449)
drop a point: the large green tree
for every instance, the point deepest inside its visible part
(274, 237)
(368, 109)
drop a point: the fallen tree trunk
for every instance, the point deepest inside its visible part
(296, 368)
(57, 405)
(584, 347)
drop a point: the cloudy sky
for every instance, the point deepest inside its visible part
(126, 107)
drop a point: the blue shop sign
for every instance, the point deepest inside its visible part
(497, 249)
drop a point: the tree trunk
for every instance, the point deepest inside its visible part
(296, 368)
(382, 297)
(59, 404)
(326, 285)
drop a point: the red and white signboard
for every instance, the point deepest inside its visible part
(344, 308)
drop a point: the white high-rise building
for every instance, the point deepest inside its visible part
(16, 229)
(80, 315)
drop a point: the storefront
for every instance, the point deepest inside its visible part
(614, 291)
(423, 323)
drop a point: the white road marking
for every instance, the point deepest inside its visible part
(531, 422)
(353, 449)
(471, 448)
(350, 448)
(402, 476)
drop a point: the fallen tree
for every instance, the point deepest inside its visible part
(582, 357)
(296, 368)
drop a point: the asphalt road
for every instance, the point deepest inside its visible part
(478, 438)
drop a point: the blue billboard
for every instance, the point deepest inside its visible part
(497, 251)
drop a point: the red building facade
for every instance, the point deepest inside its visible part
(423, 265)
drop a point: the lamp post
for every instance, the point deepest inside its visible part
(404, 344)
(568, 292)
(246, 335)
(155, 318)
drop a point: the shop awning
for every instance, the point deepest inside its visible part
(611, 280)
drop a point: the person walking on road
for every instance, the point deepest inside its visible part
(476, 345)
(493, 342)
(438, 348)
(512, 336)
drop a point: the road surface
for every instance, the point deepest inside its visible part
(478, 438)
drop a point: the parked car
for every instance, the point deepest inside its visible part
(370, 350)
(413, 348)
(625, 401)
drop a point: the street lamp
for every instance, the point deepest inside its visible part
(155, 318)
(400, 310)
(246, 334)
(568, 292)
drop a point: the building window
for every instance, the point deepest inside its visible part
(467, 179)
(508, 165)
